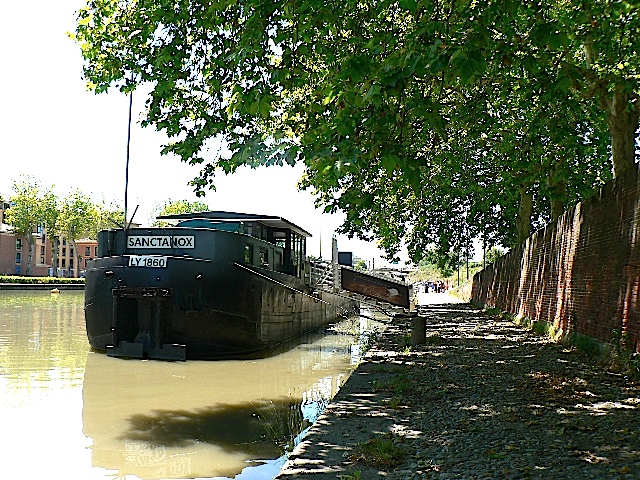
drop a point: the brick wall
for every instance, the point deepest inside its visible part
(581, 273)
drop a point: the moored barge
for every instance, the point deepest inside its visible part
(213, 285)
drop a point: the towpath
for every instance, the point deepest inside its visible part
(484, 398)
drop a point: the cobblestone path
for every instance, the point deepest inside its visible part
(484, 398)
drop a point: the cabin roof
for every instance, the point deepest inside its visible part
(220, 216)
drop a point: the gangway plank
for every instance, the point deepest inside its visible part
(374, 286)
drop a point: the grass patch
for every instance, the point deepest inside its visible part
(380, 452)
(355, 475)
(586, 344)
(500, 315)
(398, 385)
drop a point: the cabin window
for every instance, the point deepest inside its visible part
(264, 257)
(280, 239)
(248, 254)
(295, 254)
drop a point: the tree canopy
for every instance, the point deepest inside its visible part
(175, 207)
(78, 216)
(27, 210)
(34, 206)
(428, 123)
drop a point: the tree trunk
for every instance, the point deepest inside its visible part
(622, 119)
(557, 192)
(30, 249)
(523, 222)
(55, 241)
(74, 257)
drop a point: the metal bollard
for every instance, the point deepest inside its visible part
(418, 330)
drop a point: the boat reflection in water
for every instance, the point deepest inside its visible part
(203, 419)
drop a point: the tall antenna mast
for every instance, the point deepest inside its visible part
(126, 174)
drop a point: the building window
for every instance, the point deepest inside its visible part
(18, 257)
(64, 252)
(64, 241)
(42, 250)
(18, 244)
(96, 251)
(71, 263)
(64, 263)
(87, 251)
(42, 260)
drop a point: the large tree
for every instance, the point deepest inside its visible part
(26, 213)
(77, 217)
(51, 223)
(409, 115)
(174, 207)
(108, 215)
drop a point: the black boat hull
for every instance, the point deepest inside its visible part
(200, 308)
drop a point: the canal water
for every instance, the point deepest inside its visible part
(69, 412)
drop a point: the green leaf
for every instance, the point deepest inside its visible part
(563, 84)
(411, 5)
(389, 162)
(373, 95)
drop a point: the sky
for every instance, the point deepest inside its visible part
(67, 138)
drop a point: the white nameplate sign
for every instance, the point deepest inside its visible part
(161, 241)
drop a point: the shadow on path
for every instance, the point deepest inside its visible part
(484, 398)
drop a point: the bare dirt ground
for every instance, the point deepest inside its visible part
(484, 398)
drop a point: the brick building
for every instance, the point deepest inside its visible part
(87, 249)
(14, 254)
(3, 206)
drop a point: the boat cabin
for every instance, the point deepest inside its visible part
(282, 245)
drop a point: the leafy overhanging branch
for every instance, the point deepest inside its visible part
(409, 116)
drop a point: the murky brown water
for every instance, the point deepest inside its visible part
(71, 413)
